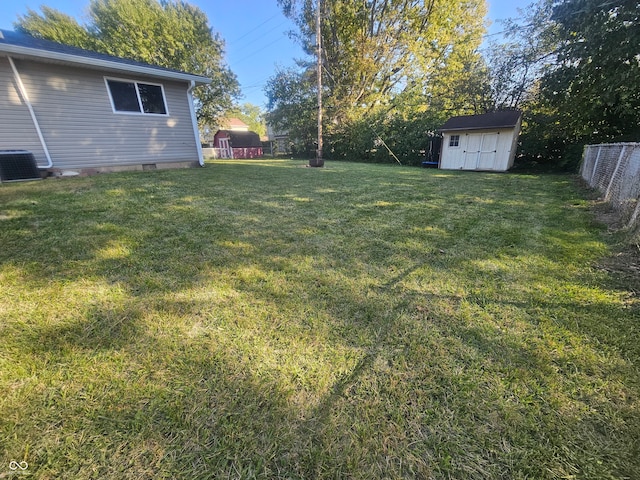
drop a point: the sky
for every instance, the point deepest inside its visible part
(255, 33)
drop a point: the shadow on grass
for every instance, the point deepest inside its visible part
(327, 324)
(108, 327)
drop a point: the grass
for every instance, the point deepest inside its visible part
(257, 319)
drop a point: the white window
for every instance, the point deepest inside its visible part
(136, 97)
(454, 141)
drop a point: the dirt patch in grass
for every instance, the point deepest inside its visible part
(624, 262)
(624, 267)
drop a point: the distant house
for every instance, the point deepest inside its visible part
(82, 111)
(236, 125)
(233, 124)
(485, 142)
(233, 139)
(237, 144)
(279, 141)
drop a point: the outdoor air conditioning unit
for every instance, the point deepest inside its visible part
(18, 165)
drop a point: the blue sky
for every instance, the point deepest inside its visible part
(255, 32)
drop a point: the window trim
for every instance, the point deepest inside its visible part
(135, 82)
(454, 141)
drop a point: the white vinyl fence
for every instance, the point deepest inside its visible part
(614, 169)
(210, 152)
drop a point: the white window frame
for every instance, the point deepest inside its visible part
(135, 82)
(454, 143)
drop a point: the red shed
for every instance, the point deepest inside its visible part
(237, 144)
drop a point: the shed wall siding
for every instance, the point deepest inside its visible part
(456, 158)
(81, 130)
(17, 131)
(514, 143)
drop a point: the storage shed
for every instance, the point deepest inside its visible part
(237, 144)
(484, 142)
(79, 111)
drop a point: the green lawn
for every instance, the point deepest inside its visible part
(259, 319)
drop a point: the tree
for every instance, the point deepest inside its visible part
(171, 34)
(379, 53)
(375, 49)
(461, 86)
(292, 105)
(572, 67)
(56, 26)
(252, 115)
(595, 81)
(517, 62)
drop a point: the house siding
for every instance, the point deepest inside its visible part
(17, 131)
(81, 129)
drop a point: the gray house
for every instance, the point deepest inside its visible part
(81, 111)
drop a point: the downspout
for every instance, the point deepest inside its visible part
(194, 122)
(25, 97)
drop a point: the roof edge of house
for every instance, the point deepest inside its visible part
(31, 52)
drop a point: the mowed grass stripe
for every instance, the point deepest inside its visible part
(259, 319)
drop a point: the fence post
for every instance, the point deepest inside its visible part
(615, 173)
(595, 165)
(585, 161)
(635, 214)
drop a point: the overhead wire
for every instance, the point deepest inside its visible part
(261, 37)
(243, 48)
(253, 29)
(260, 50)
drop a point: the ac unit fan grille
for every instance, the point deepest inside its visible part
(18, 165)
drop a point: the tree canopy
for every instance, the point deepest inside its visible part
(595, 82)
(252, 115)
(395, 69)
(292, 105)
(171, 34)
(572, 66)
(383, 62)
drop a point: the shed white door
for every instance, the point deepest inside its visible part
(487, 158)
(480, 153)
(474, 142)
(225, 148)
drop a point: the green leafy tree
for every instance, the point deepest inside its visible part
(595, 81)
(384, 59)
(292, 106)
(516, 63)
(252, 115)
(572, 67)
(59, 27)
(172, 34)
(548, 140)
(461, 86)
(375, 49)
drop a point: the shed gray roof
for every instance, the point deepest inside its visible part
(501, 119)
(243, 139)
(22, 45)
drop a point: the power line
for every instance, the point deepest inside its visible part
(260, 50)
(253, 29)
(261, 37)
(254, 86)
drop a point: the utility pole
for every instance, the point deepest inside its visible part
(319, 161)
